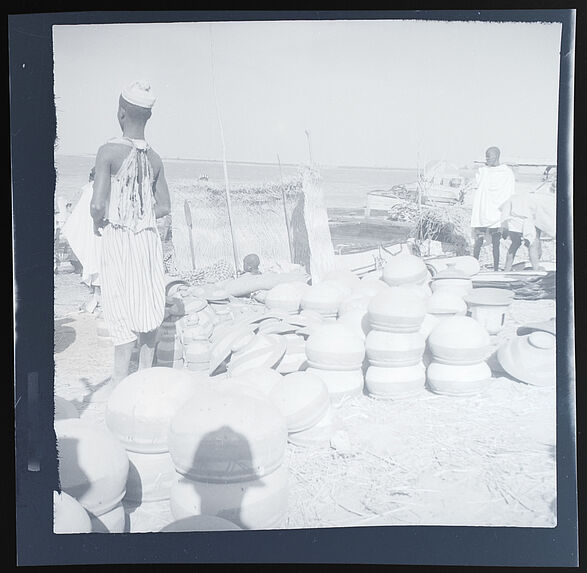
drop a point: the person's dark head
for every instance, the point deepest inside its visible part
(492, 156)
(251, 263)
(92, 174)
(135, 103)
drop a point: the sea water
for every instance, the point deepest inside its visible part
(344, 187)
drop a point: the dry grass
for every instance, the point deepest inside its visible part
(258, 221)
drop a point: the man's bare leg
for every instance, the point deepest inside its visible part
(147, 342)
(122, 356)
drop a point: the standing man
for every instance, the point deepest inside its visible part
(495, 185)
(130, 194)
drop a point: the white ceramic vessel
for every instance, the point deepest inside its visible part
(395, 383)
(459, 340)
(141, 406)
(335, 346)
(227, 437)
(458, 379)
(259, 503)
(394, 348)
(93, 465)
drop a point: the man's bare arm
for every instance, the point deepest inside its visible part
(161, 191)
(101, 191)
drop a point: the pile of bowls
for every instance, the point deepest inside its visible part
(394, 345)
(335, 353)
(459, 346)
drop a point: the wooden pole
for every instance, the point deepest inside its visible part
(226, 184)
(287, 223)
(309, 148)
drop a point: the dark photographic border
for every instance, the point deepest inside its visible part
(32, 140)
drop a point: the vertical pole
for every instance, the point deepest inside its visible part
(309, 148)
(226, 185)
(287, 224)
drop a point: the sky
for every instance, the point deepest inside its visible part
(375, 93)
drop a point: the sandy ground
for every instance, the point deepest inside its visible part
(430, 460)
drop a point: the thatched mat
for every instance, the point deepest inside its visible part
(483, 460)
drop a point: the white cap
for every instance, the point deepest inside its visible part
(139, 93)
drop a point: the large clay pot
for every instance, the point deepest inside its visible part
(394, 348)
(142, 405)
(357, 320)
(335, 347)
(64, 409)
(445, 302)
(370, 286)
(69, 515)
(259, 503)
(489, 307)
(150, 477)
(227, 437)
(530, 358)
(459, 340)
(322, 298)
(342, 384)
(396, 310)
(452, 279)
(113, 521)
(93, 466)
(200, 523)
(286, 297)
(352, 303)
(395, 383)
(458, 379)
(317, 436)
(302, 398)
(404, 269)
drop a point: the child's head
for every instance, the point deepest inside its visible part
(251, 263)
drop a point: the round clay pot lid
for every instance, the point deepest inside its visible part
(530, 361)
(490, 296)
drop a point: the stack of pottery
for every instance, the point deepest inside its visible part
(409, 272)
(459, 346)
(303, 399)
(394, 345)
(138, 413)
(335, 353)
(467, 264)
(489, 307)
(228, 449)
(93, 469)
(324, 298)
(195, 330)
